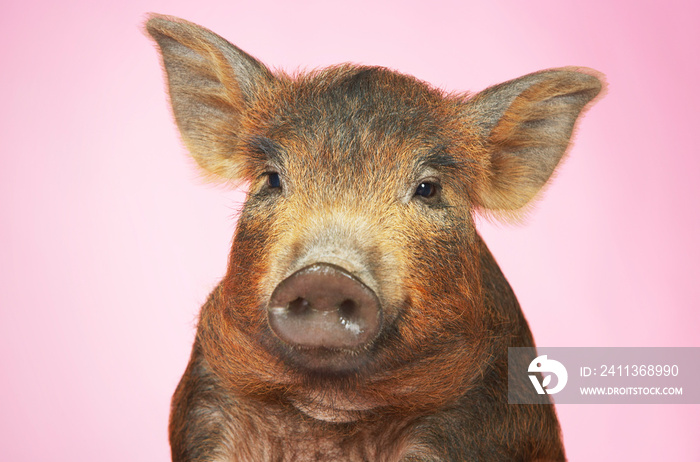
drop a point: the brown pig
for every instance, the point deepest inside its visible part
(362, 317)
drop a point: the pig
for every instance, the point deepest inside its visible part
(362, 317)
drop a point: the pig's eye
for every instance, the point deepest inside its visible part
(427, 189)
(273, 180)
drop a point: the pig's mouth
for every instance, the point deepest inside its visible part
(325, 317)
(323, 364)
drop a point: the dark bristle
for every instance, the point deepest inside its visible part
(266, 147)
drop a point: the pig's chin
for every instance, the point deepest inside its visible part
(328, 383)
(333, 407)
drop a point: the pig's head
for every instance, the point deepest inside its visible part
(355, 280)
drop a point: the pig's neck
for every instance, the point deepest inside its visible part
(314, 433)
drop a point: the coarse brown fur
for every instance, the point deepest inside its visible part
(350, 145)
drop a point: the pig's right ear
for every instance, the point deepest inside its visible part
(212, 83)
(526, 125)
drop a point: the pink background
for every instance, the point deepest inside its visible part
(110, 241)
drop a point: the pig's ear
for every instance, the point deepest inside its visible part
(526, 125)
(212, 84)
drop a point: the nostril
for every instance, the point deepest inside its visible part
(298, 306)
(347, 309)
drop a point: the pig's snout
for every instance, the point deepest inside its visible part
(324, 306)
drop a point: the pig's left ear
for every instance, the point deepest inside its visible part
(212, 85)
(526, 125)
